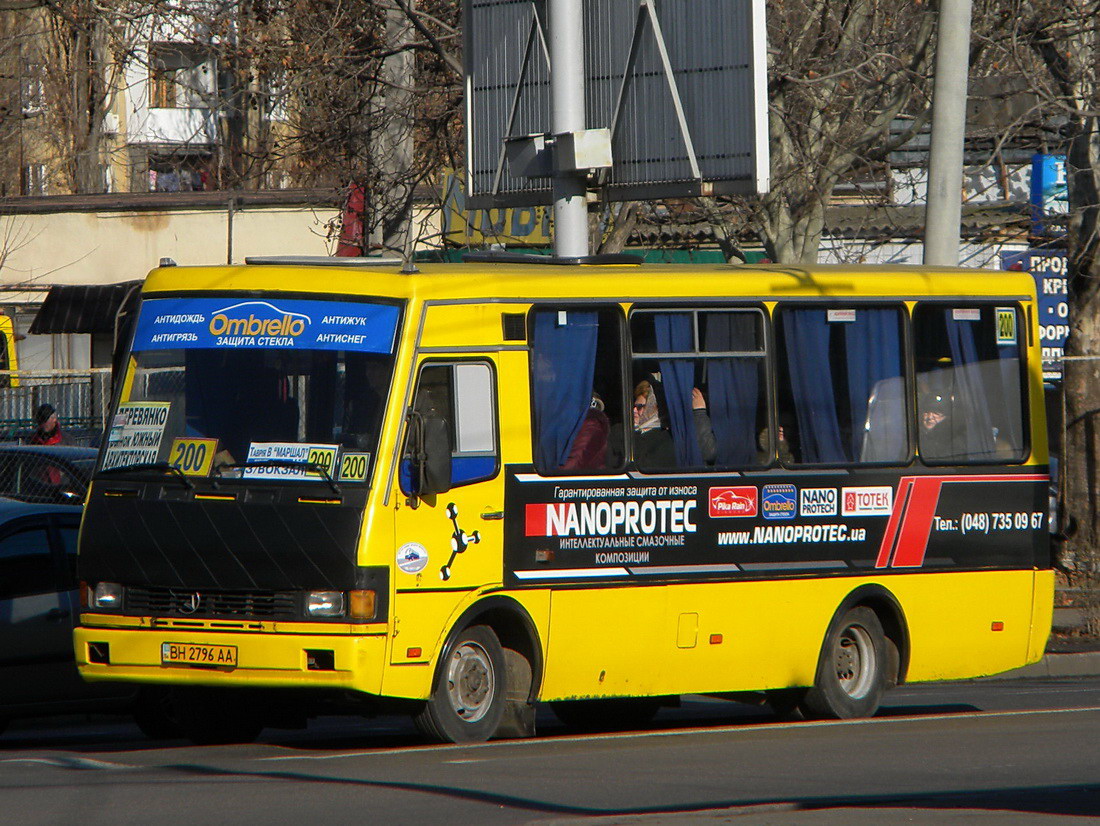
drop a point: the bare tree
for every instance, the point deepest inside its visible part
(1057, 44)
(838, 74)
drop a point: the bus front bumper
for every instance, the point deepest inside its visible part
(260, 660)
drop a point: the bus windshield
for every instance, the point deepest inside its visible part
(277, 389)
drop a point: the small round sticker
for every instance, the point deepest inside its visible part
(412, 558)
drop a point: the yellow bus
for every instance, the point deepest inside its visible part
(469, 489)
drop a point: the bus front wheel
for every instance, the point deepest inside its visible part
(467, 700)
(851, 676)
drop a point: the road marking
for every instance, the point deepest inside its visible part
(753, 728)
(81, 763)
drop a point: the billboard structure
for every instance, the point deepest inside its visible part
(1050, 268)
(674, 93)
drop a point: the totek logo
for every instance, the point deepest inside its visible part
(739, 501)
(870, 501)
(779, 501)
(817, 502)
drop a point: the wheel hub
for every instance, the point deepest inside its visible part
(470, 682)
(855, 661)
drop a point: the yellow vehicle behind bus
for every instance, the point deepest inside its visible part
(9, 360)
(465, 490)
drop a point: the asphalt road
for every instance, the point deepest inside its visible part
(1019, 751)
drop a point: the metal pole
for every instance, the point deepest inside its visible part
(567, 105)
(943, 212)
(230, 210)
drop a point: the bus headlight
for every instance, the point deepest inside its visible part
(325, 603)
(107, 595)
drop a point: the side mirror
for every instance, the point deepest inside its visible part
(430, 450)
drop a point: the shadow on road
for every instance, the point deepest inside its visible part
(1080, 801)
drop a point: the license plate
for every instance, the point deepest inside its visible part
(189, 653)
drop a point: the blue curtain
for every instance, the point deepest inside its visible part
(873, 353)
(674, 335)
(971, 399)
(806, 340)
(733, 385)
(563, 360)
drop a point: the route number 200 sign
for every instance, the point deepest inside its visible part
(194, 457)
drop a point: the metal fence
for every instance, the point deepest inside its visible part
(81, 399)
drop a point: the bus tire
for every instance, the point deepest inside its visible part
(154, 714)
(468, 696)
(614, 714)
(851, 674)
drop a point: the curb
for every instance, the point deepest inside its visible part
(1083, 664)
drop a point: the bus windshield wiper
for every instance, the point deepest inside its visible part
(163, 467)
(289, 463)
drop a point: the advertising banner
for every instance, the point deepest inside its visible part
(1049, 195)
(1050, 271)
(654, 528)
(268, 323)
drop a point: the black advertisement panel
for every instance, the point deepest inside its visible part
(654, 528)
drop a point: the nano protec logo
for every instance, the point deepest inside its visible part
(876, 501)
(739, 501)
(610, 518)
(779, 501)
(817, 502)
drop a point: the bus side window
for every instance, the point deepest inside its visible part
(841, 384)
(463, 394)
(700, 389)
(970, 397)
(577, 396)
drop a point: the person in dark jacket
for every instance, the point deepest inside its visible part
(589, 450)
(48, 431)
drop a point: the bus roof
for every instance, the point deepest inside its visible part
(534, 282)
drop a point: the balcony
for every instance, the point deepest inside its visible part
(181, 126)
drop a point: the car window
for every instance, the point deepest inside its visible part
(68, 534)
(37, 478)
(26, 566)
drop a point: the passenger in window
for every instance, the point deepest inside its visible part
(652, 442)
(704, 433)
(782, 446)
(589, 450)
(935, 427)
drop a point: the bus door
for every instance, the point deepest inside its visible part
(449, 513)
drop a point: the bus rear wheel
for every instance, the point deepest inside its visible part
(467, 700)
(851, 676)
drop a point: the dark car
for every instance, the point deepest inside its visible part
(39, 602)
(54, 474)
